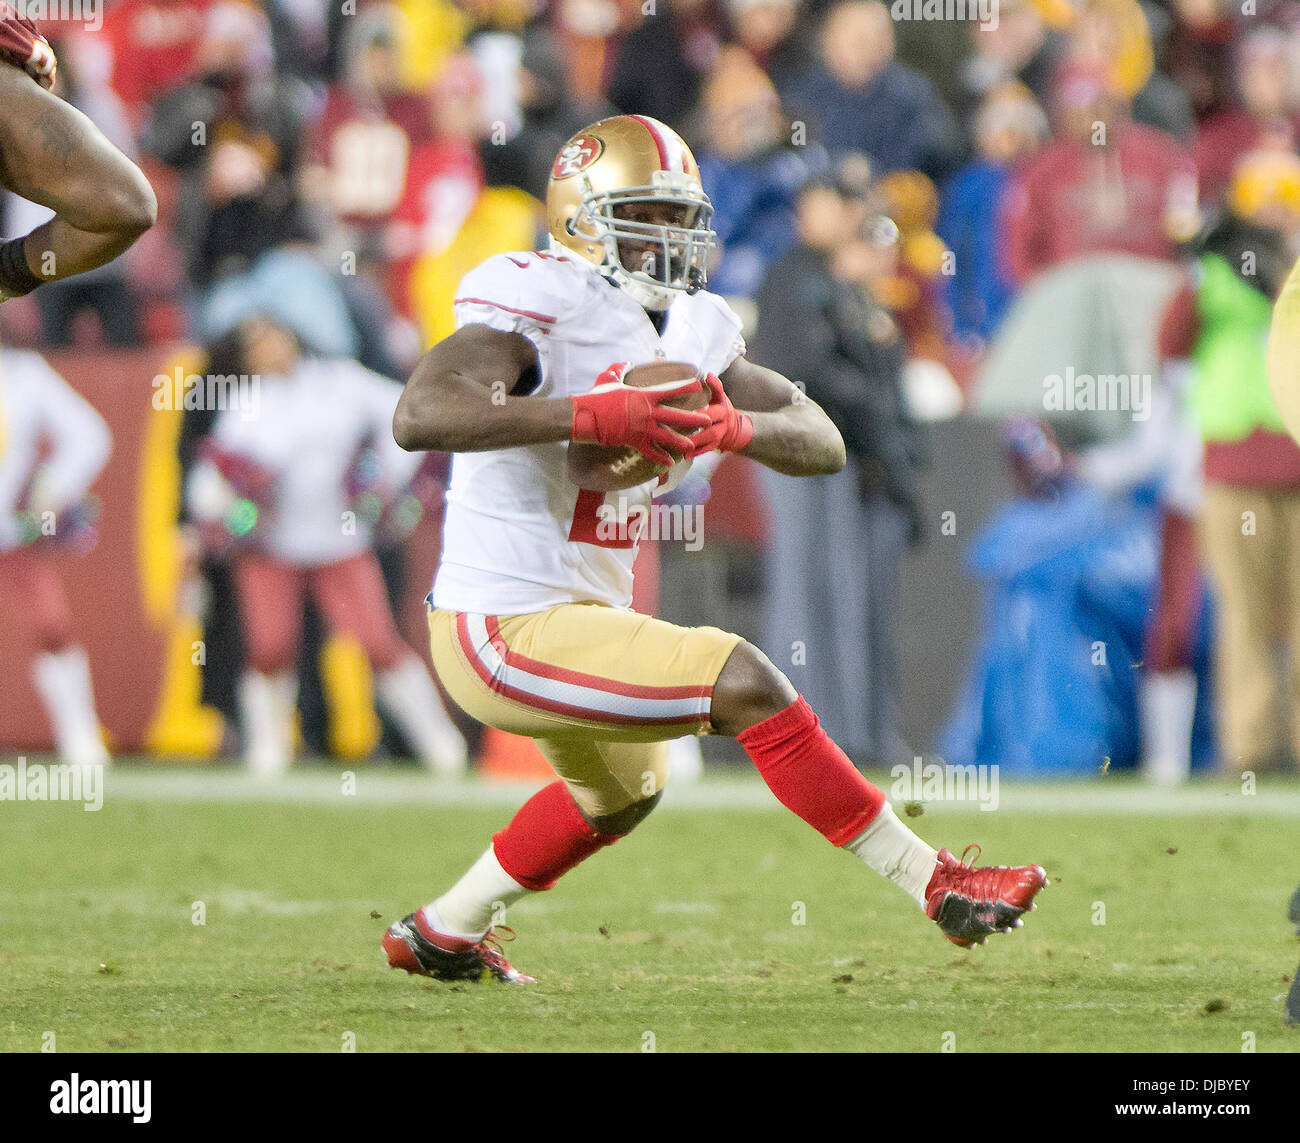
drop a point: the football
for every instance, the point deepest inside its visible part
(605, 468)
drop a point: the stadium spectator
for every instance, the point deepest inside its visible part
(1251, 510)
(235, 133)
(1009, 127)
(1106, 184)
(293, 486)
(300, 37)
(1267, 103)
(1024, 48)
(360, 147)
(774, 35)
(448, 220)
(154, 46)
(911, 287)
(445, 175)
(587, 31)
(55, 446)
(752, 172)
(660, 66)
(832, 605)
(550, 113)
(1198, 54)
(858, 98)
(1115, 36)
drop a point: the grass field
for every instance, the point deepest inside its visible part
(682, 937)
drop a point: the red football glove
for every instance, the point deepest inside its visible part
(23, 46)
(729, 429)
(616, 414)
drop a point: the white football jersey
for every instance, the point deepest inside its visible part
(519, 536)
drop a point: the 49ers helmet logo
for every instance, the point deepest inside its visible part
(577, 155)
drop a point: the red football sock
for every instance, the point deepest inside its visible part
(547, 838)
(810, 775)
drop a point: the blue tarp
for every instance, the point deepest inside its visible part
(1053, 688)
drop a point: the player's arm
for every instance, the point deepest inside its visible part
(460, 398)
(51, 154)
(464, 396)
(790, 432)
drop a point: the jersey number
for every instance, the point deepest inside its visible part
(596, 521)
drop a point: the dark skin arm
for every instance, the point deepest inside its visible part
(459, 399)
(792, 435)
(51, 154)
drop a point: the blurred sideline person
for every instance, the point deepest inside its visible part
(1250, 517)
(283, 475)
(43, 505)
(838, 540)
(1008, 128)
(1163, 453)
(51, 154)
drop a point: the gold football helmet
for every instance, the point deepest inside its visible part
(625, 194)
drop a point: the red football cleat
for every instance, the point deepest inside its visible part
(412, 945)
(970, 903)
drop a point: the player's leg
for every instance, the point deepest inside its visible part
(605, 790)
(599, 674)
(60, 669)
(601, 690)
(270, 598)
(353, 599)
(810, 775)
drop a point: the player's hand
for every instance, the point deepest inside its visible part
(613, 413)
(729, 430)
(22, 45)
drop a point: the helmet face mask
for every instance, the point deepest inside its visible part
(646, 228)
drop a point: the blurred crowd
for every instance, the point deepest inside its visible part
(887, 191)
(398, 141)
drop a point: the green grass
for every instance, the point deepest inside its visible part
(684, 931)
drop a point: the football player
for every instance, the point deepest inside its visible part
(51, 154)
(529, 615)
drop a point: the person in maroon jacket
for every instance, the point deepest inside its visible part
(1265, 106)
(360, 149)
(53, 155)
(1106, 185)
